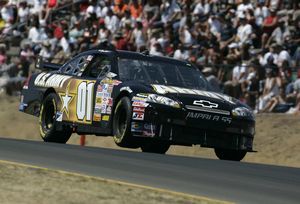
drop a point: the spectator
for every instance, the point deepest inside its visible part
(136, 9)
(269, 25)
(111, 21)
(212, 79)
(138, 36)
(271, 89)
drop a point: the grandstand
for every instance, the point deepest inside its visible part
(248, 49)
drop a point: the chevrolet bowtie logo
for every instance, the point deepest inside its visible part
(206, 104)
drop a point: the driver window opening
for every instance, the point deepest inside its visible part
(98, 67)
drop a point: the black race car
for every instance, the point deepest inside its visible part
(141, 100)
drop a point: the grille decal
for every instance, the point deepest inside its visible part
(208, 110)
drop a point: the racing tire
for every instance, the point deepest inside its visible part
(231, 155)
(122, 124)
(158, 147)
(47, 121)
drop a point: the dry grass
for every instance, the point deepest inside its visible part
(22, 184)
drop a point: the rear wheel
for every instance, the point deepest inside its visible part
(121, 124)
(228, 154)
(48, 122)
(154, 146)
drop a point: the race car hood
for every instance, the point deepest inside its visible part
(198, 99)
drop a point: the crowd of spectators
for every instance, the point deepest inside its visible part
(248, 49)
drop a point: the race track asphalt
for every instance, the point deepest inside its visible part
(231, 181)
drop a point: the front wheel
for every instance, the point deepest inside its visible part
(121, 124)
(228, 154)
(158, 147)
(47, 118)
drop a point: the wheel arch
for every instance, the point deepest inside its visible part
(48, 91)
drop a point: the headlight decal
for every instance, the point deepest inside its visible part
(242, 112)
(142, 99)
(154, 98)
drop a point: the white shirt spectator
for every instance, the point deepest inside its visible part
(7, 13)
(98, 11)
(90, 10)
(138, 38)
(45, 53)
(37, 6)
(187, 37)
(34, 35)
(283, 56)
(201, 9)
(274, 4)
(169, 11)
(238, 71)
(264, 60)
(112, 23)
(278, 35)
(64, 44)
(215, 25)
(244, 34)
(242, 8)
(181, 55)
(23, 14)
(260, 14)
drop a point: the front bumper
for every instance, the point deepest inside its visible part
(205, 129)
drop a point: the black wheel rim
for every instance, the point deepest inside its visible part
(121, 122)
(49, 115)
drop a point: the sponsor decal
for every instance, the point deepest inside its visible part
(98, 100)
(149, 130)
(48, 80)
(140, 99)
(139, 104)
(105, 118)
(148, 133)
(108, 110)
(103, 97)
(97, 110)
(138, 116)
(103, 108)
(126, 88)
(99, 88)
(105, 100)
(110, 101)
(97, 117)
(205, 116)
(143, 95)
(149, 126)
(110, 88)
(138, 109)
(205, 104)
(59, 116)
(136, 127)
(162, 89)
(76, 101)
(66, 99)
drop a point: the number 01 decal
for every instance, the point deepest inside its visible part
(84, 101)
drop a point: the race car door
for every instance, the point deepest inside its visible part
(79, 94)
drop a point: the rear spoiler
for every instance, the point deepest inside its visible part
(42, 65)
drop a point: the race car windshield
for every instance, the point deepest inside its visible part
(164, 73)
